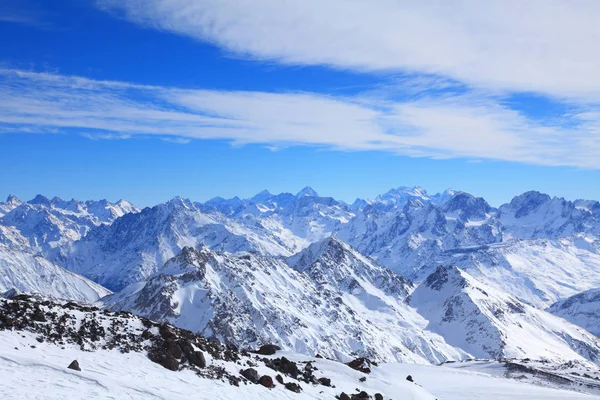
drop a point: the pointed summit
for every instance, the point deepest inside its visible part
(262, 196)
(307, 192)
(12, 199)
(41, 200)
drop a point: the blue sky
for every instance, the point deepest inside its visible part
(107, 99)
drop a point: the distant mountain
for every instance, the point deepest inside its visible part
(10, 204)
(48, 224)
(582, 309)
(488, 323)
(328, 299)
(33, 274)
(136, 246)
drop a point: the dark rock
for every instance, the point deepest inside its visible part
(363, 379)
(318, 356)
(325, 381)
(268, 349)
(147, 334)
(250, 374)
(361, 364)
(74, 365)
(409, 378)
(39, 316)
(167, 332)
(344, 396)
(266, 381)
(175, 350)
(284, 366)
(293, 387)
(378, 396)
(279, 379)
(360, 396)
(170, 363)
(197, 359)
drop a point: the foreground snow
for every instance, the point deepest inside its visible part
(40, 372)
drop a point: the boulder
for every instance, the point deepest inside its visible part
(361, 364)
(167, 332)
(250, 374)
(344, 396)
(74, 365)
(279, 379)
(325, 381)
(293, 387)
(266, 381)
(197, 358)
(175, 350)
(268, 349)
(360, 396)
(409, 378)
(378, 396)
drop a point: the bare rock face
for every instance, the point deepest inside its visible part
(74, 365)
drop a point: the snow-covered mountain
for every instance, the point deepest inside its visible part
(10, 204)
(46, 224)
(329, 300)
(136, 246)
(489, 323)
(537, 271)
(582, 309)
(537, 215)
(24, 272)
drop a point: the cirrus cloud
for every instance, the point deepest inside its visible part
(456, 125)
(543, 46)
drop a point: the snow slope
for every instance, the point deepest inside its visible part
(41, 373)
(582, 309)
(489, 323)
(28, 273)
(39, 339)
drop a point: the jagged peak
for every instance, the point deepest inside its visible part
(12, 199)
(307, 192)
(179, 202)
(261, 196)
(443, 275)
(330, 247)
(41, 200)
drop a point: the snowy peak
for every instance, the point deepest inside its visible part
(261, 197)
(307, 192)
(11, 203)
(40, 200)
(528, 203)
(399, 196)
(467, 206)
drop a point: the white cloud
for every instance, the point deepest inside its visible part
(466, 125)
(545, 46)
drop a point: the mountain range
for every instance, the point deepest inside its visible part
(407, 276)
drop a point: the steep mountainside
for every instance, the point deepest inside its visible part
(489, 323)
(334, 301)
(28, 273)
(582, 309)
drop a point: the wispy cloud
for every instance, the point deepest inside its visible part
(457, 125)
(544, 46)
